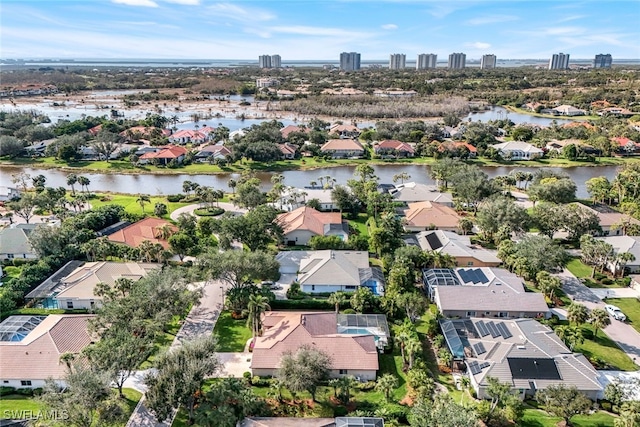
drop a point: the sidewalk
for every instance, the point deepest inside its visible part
(200, 322)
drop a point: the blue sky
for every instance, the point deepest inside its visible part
(299, 29)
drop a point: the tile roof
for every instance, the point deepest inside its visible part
(289, 129)
(416, 192)
(448, 145)
(15, 240)
(287, 149)
(342, 144)
(37, 356)
(169, 152)
(306, 218)
(392, 144)
(425, 214)
(454, 244)
(517, 145)
(138, 232)
(622, 141)
(319, 330)
(607, 216)
(212, 149)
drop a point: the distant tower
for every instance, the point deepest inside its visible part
(559, 61)
(264, 61)
(397, 61)
(426, 60)
(602, 61)
(276, 61)
(488, 62)
(349, 61)
(457, 61)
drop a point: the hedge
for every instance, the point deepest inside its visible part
(305, 304)
(41, 312)
(209, 211)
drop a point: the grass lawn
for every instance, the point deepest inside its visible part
(539, 418)
(232, 334)
(360, 223)
(128, 201)
(579, 269)
(630, 307)
(604, 349)
(163, 342)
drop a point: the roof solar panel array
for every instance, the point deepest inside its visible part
(482, 329)
(504, 331)
(493, 330)
(479, 348)
(472, 275)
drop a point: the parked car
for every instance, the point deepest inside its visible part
(615, 312)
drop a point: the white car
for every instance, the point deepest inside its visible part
(615, 312)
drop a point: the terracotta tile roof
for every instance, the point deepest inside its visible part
(622, 141)
(213, 149)
(140, 231)
(392, 144)
(586, 125)
(424, 214)
(448, 145)
(169, 152)
(342, 144)
(344, 128)
(287, 149)
(37, 356)
(306, 218)
(289, 129)
(94, 130)
(319, 330)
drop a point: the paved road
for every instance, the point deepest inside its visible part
(228, 207)
(627, 338)
(200, 322)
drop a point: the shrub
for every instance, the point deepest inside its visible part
(304, 304)
(607, 281)
(213, 211)
(5, 391)
(606, 406)
(24, 391)
(349, 311)
(246, 375)
(294, 291)
(340, 411)
(366, 386)
(174, 198)
(17, 262)
(599, 276)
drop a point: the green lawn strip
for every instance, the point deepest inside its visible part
(392, 364)
(603, 348)
(359, 223)
(232, 334)
(14, 403)
(163, 342)
(630, 307)
(539, 418)
(130, 204)
(579, 269)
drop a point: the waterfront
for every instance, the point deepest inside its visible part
(171, 184)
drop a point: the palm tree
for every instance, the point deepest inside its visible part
(570, 335)
(622, 259)
(142, 200)
(187, 186)
(84, 183)
(321, 179)
(401, 338)
(72, 179)
(232, 183)
(146, 250)
(313, 184)
(386, 384)
(577, 314)
(599, 319)
(257, 305)
(67, 358)
(412, 347)
(547, 284)
(163, 232)
(402, 177)
(519, 176)
(346, 383)
(337, 299)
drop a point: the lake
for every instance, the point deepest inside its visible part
(170, 184)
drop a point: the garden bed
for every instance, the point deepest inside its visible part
(214, 211)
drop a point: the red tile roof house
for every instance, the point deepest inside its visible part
(343, 148)
(423, 216)
(145, 229)
(354, 355)
(393, 148)
(288, 151)
(625, 145)
(164, 156)
(301, 224)
(31, 347)
(186, 136)
(289, 129)
(138, 133)
(455, 145)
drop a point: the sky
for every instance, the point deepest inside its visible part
(317, 30)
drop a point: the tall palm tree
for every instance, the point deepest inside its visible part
(412, 347)
(337, 299)
(142, 200)
(622, 259)
(232, 183)
(163, 232)
(402, 177)
(72, 179)
(146, 250)
(67, 358)
(571, 335)
(577, 314)
(386, 384)
(257, 305)
(84, 183)
(599, 319)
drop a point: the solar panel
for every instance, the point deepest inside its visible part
(483, 365)
(433, 241)
(479, 348)
(474, 368)
(482, 329)
(533, 369)
(495, 333)
(504, 331)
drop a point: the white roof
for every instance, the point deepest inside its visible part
(327, 267)
(415, 192)
(622, 244)
(517, 146)
(454, 244)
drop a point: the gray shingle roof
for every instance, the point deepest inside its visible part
(15, 240)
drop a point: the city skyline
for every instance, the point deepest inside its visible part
(204, 29)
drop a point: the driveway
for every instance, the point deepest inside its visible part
(228, 207)
(234, 364)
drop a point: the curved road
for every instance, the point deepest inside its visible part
(228, 207)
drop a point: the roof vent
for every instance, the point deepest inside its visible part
(304, 320)
(521, 347)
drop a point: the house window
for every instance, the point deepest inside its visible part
(9, 256)
(313, 287)
(470, 263)
(25, 383)
(471, 314)
(343, 372)
(503, 314)
(69, 304)
(350, 288)
(5, 382)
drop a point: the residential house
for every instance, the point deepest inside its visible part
(331, 271)
(457, 246)
(300, 225)
(145, 229)
(31, 347)
(523, 353)
(14, 242)
(294, 198)
(353, 350)
(518, 150)
(289, 129)
(393, 148)
(288, 151)
(567, 110)
(615, 111)
(612, 222)
(558, 146)
(138, 133)
(212, 151)
(76, 290)
(411, 192)
(187, 136)
(95, 130)
(165, 155)
(457, 149)
(311, 422)
(625, 145)
(482, 292)
(8, 193)
(343, 148)
(623, 244)
(345, 131)
(394, 93)
(427, 215)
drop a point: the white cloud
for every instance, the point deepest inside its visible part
(317, 31)
(143, 3)
(494, 19)
(478, 45)
(571, 18)
(233, 11)
(185, 2)
(258, 32)
(389, 27)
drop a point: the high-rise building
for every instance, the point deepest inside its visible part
(264, 61)
(276, 61)
(426, 60)
(397, 61)
(349, 61)
(559, 61)
(457, 61)
(488, 62)
(602, 61)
